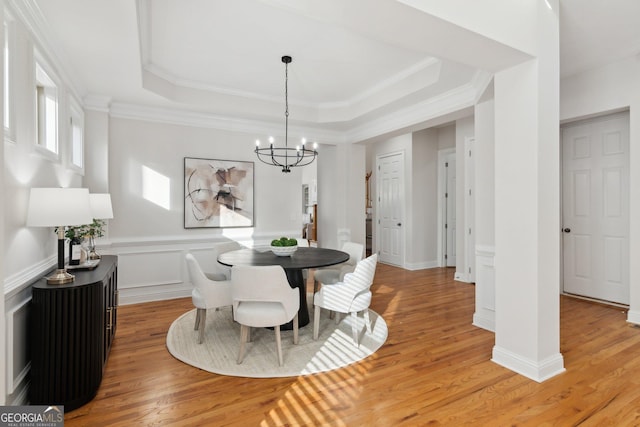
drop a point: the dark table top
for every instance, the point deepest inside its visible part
(302, 258)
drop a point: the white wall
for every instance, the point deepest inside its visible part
(484, 315)
(606, 89)
(27, 253)
(149, 237)
(464, 130)
(422, 230)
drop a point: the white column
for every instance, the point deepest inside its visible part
(634, 196)
(527, 208)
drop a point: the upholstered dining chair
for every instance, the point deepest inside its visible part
(206, 294)
(263, 298)
(218, 271)
(350, 296)
(335, 273)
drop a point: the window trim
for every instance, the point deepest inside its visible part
(53, 81)
(9, 52)
(75, 112)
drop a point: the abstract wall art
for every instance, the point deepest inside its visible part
(217, 193)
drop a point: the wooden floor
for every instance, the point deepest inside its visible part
(434, 369)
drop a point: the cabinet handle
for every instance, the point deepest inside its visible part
(110, 321)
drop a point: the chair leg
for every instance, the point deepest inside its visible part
(244, 330)
(195, 326)
(201, 324)
(316, 321)
(295, 329)
(278, 344)
(354, 327)
(367, 319)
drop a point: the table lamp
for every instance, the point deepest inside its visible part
(59, 207)
(100, 209)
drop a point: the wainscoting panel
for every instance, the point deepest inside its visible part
(485, 315)
(18, 357)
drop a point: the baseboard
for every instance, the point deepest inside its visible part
(152, 293)
(633, 316)
(461, 277)
(421, 265)
(538, 371)
(484, 322)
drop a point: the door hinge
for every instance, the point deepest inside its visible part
(446, 164)
(446, 256)
(446, 195)
(446, 226)
(469, 231)
(469, 270)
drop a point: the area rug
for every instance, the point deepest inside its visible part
(218, 352)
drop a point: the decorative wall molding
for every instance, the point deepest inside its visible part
(485, 314)
(17, 320)
(20, 280)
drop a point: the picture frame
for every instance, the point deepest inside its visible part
(218, 193)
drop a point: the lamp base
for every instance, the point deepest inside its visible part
(60, 277)
(93, 255)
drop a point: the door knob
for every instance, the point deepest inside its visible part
(399, 224)
(567, 230)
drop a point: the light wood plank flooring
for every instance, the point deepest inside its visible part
(434, 369)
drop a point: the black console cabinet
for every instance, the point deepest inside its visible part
(72, 328)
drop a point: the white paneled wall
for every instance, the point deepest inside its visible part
(485, 314)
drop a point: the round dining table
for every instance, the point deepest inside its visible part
(303, 258)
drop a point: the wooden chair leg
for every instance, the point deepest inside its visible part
(195, 326)
(316, 322)
(202, 323)
(278, 344)
(295, 329)
(244, 330)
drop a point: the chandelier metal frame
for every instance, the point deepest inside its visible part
(286, 157)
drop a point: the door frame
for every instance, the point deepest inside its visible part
(561, 183)
(442, 203)
(403, 212)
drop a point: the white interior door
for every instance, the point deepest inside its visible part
(450, 211)
(596, 208)
(390, 210)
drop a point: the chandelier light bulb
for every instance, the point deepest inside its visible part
(257, 143)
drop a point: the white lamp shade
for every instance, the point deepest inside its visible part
(101, 205)
(55, 207)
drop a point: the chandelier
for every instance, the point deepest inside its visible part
(286, 157)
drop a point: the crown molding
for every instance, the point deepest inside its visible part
(212, 121)
(28, 12)
(447, 103)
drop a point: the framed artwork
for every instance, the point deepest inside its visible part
(217, 193)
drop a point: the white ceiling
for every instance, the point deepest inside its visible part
(354, 62)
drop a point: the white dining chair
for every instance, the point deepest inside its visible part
(350, 296)
(263, 298)
(218, 271)
(335, 273)
(206, 294)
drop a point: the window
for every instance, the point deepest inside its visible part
(46, 110)
(76, 134)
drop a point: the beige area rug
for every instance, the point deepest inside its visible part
(334, 348)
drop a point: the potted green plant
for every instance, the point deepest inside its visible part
(76, 235)
(92, 232)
